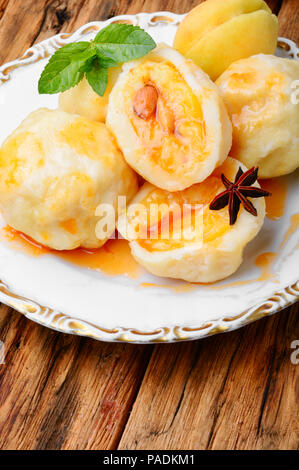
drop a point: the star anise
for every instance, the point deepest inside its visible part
(237, 193)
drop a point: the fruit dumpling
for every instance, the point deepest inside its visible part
(169, 120)
(55, 169)
(218, 32)
(83, 100)
(260, 97)
(198, 234)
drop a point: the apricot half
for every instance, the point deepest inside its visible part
(216, 33)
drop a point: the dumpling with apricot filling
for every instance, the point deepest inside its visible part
(169, 120)
(191, 234)
(55, 170)
(261, 98)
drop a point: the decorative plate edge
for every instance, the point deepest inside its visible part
(66, 324)
(61, 322)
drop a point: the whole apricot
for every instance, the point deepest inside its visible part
(216, 33)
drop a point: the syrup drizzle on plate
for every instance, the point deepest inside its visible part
(112, 259)
(275, 204)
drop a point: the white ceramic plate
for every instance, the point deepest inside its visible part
(86, 302)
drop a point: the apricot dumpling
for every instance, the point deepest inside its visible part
(83, 100)
(260, 97)
(55, 169)
(175, 234)
(169, 120)
(216, 33)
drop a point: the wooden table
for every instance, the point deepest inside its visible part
(232, 391)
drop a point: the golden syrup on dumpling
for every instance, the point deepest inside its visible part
(206, 226)
(250, 113)
(86, 137)
(183, 212)
(14, 166)
(70, 225)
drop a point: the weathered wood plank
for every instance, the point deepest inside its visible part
(18, 27)
(48, 414)
(231, 391)
(3, 5)
(72, 14)
(24, 23)
(60, 391)
(288, 20)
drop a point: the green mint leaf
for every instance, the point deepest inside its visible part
(114, 44)
(66, 68)
(97, 78)
(105, 61)
(122, 42)
(72, 48)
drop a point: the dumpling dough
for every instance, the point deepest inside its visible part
(55, 169)
(169, 120)
(258, 94)
(184, 239)
(82, 100)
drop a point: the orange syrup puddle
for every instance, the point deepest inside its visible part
(112, 259)
(264, 262)
(275, 204)
(294, 225)
(22, 242)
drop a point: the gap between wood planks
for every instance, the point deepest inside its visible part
(61, 391)
(3, 5)
(233, 391)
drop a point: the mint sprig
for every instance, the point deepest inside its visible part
(115, 44)
(123, 42)
(97, 78)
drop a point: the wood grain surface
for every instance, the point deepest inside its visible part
(238, 390)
